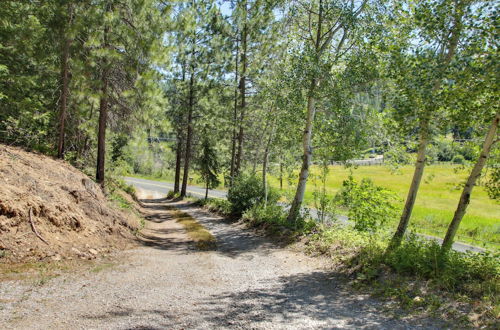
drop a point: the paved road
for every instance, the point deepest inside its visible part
(164, 187)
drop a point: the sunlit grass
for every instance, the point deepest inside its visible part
(436, 202)
(204, 240)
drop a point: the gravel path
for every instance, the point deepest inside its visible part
(247, 282)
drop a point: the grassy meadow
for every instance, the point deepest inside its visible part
(436, 202)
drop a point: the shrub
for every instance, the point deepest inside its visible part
(458, 159)
(446, 150)
(474, 274)
(259, 213)
(246, 191)
(469, 151)
(274, 214)
(370, 206)
(217, 205)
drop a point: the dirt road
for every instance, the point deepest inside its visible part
(247, 282)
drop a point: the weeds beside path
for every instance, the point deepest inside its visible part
(247, 282)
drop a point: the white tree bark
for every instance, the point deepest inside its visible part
(469, 185)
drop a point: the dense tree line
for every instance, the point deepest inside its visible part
(242, 84)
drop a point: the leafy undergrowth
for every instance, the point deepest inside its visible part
(216, 205)
(463, 287)
(202, 237)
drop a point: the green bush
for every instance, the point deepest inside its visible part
(259, 213)
(458, 159)
(446, 150)
(474, 274)
(217, 205)
(469, 151)
(369, 205)
(275, 215)
(247, 191)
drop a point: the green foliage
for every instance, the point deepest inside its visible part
(217, 205)
(470, 273)
(247, 191)
(397, 156)
(493, 184)
(370, 206)
(275, 216)
(208, 164)
(458, 159)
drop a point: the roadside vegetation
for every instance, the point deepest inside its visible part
(462, 287)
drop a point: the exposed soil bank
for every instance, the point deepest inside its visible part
(51, 211)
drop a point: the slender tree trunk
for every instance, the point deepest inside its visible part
(471, 182)
(281, 175)
(307, 135)
(235, 118)
(103, 115)
(189, 138)
(264, 173)
(206, 190)
(415, 184)
(64, 97)
(178, 161)
(306, 156)
(447, 54)
(239, 154)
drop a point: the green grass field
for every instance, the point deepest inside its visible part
(436, 202)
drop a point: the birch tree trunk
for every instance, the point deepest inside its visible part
(415, 184)
(448, 52)
(306, 157)
(307, 135)
(471, 182)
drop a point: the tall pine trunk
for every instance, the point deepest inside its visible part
(235, 118)
(415, 184)
(241, 132)
(306, 156)
(103, 115)
(471, 182)
(189, 137)
(64, 97)
(64, 87)
(178, 161)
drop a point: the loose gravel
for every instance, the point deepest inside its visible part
(248, 282)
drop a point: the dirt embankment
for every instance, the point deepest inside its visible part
(50, 210)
